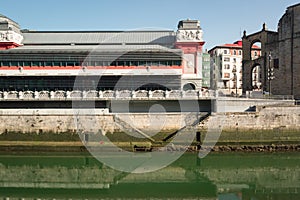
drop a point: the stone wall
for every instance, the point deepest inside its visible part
(68, 120)
(268, 124)
(283, 47)
(289, 39)
(271, 125)
(227, 104)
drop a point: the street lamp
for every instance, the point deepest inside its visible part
(270, 72)
(235, 80)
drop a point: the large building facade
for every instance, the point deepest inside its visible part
(279, 60)
(226, 68)
(100, 60)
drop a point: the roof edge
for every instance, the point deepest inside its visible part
(101, 31)
(292, 6)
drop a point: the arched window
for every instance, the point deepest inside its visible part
(255, 50)
(189, 86)
(256, 77)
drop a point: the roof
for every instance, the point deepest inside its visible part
(78, 41)
(100, 41)
(235, 45)
(292, 6)
(232, 45)
(8, 19)
(88, 48)
(98, 37)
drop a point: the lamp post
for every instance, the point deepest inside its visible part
(235, 80)
(270, 72)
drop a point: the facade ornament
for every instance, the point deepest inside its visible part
(11, 36)
(264, 27)
(189, 35)
(244, 34)
(2, 35)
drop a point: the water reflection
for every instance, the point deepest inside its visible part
(218, 176)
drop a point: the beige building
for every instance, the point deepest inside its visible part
(226, 68)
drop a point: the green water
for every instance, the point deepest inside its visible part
(224, 176)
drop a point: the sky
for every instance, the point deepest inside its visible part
(222, 21)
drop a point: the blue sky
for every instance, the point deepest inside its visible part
(222, 21)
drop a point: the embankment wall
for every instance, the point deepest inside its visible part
(270, 124)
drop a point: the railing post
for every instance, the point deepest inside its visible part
(36, 95)
(21, 95)
(5, 94)
(100, 94)
(167, 94)
(133, 94)
(52, 95)
(199, 94)
(150, 93)
(68, 94)
(117, 94)
(83, 94)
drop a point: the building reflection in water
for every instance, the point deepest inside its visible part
(218, 176)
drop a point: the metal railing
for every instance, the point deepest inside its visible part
(264, 95)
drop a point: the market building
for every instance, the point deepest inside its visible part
(100, 60)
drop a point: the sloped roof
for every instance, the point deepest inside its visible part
(164, 38)
(235, 45)
(89, 48)
(8, 19)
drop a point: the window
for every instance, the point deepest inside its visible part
(226, 59)
(5, 63)
(106, 63)
(69, 63)
(234, 52)
(36, 64)
(206, 59)
(240, 52)
(14, 63)
(57, 64)
(234, 60)
(26, 63)
(48, 64)
(206, 67)
(178, 62)
(276, 63)
(227, 66)
(225, 51)
(226, 75)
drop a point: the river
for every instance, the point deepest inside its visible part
(223, 176)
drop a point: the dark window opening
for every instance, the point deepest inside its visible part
(276, 63)
(189, 86)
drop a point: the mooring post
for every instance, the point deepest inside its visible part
(198, 140)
